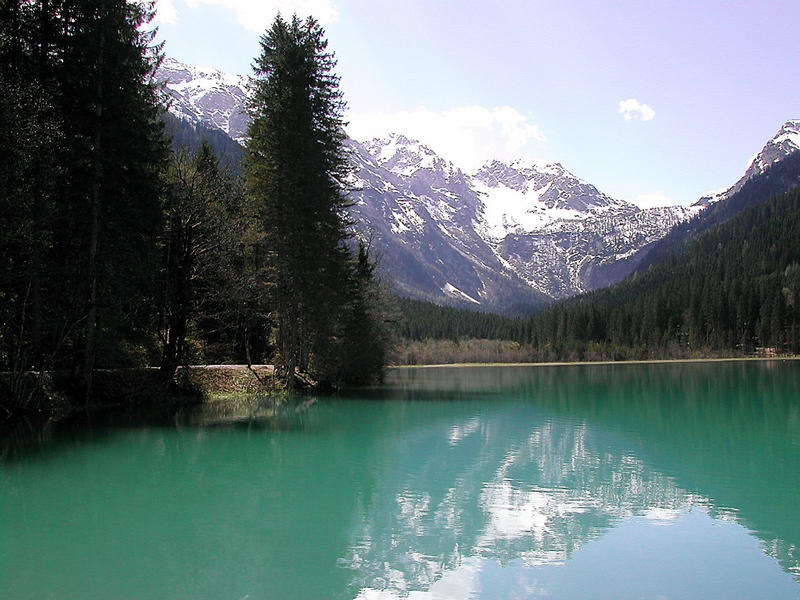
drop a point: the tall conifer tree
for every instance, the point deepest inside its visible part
(295, 164)
(83, 181)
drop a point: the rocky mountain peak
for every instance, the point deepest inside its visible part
(406, 157)
(785, 142)
(207, 95)
(536, 193)
(782, 144)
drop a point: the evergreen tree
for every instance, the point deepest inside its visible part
(80, 178)
(111, 195)
(31, 138)
(208, 248)
(294, 166)
(366, 334)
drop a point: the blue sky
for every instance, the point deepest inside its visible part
(651, 101)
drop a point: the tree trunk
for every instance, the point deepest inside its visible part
(90, 349)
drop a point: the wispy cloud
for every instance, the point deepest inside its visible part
(466, 135)
(257, 15)
(633, 109)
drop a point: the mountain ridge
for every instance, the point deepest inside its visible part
(516, 234)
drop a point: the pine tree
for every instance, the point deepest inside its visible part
(112, 109)
(206, 248)
(81, 187)
(295, 165)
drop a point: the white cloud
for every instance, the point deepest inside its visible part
(166, 12)
(653, 200)
(633, 109)
(257, 15)
(466, 135)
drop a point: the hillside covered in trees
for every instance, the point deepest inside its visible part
(732, 289)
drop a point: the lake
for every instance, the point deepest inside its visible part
(662, 481)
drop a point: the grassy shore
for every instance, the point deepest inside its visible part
(127, 388)
(599, 362)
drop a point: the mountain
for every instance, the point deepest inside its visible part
(734, 288)
(558, 232)
(774, 171)
(420, 213)
(506, 237)
(784, 143)
(207, 96)
(509, 234)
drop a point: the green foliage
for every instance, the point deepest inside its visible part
(81, 182)
(187, 137)
(732, 290)
(365, 324)
(111, 255)
(211, 307)
(294, 167)
(421, 320)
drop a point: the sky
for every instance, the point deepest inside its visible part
(655, 102)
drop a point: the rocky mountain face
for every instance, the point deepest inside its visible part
(506, 237)
(207, 96)
(419, 211)
(784, 143)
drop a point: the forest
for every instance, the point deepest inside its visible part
(732, 290)
(125, 243)
(131, 239)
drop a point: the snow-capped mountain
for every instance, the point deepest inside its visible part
(785, 142)
(507, 235)
(206, 95)
(420, 210)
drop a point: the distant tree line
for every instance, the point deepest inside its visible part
(423, 320)
(124, 243)
(732, 289)
(735, 289)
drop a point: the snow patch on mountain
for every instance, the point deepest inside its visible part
(206, 95)
(506, 210)
(452, 290)
(783, 143)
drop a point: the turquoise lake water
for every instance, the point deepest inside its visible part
(662, 482)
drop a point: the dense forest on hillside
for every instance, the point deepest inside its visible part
(185, 136)
(420, 320)
(733, 290)
(780, 178)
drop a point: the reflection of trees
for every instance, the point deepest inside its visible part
(537, 476)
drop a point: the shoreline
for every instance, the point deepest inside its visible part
(653, 361)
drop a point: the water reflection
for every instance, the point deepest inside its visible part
(602, 482)
(528, 484)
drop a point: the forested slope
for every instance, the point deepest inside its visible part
(780, 178)
(734, 289)
(188, 137)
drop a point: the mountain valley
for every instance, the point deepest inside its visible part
(507, 237)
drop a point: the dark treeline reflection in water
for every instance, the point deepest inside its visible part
(673, 480)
